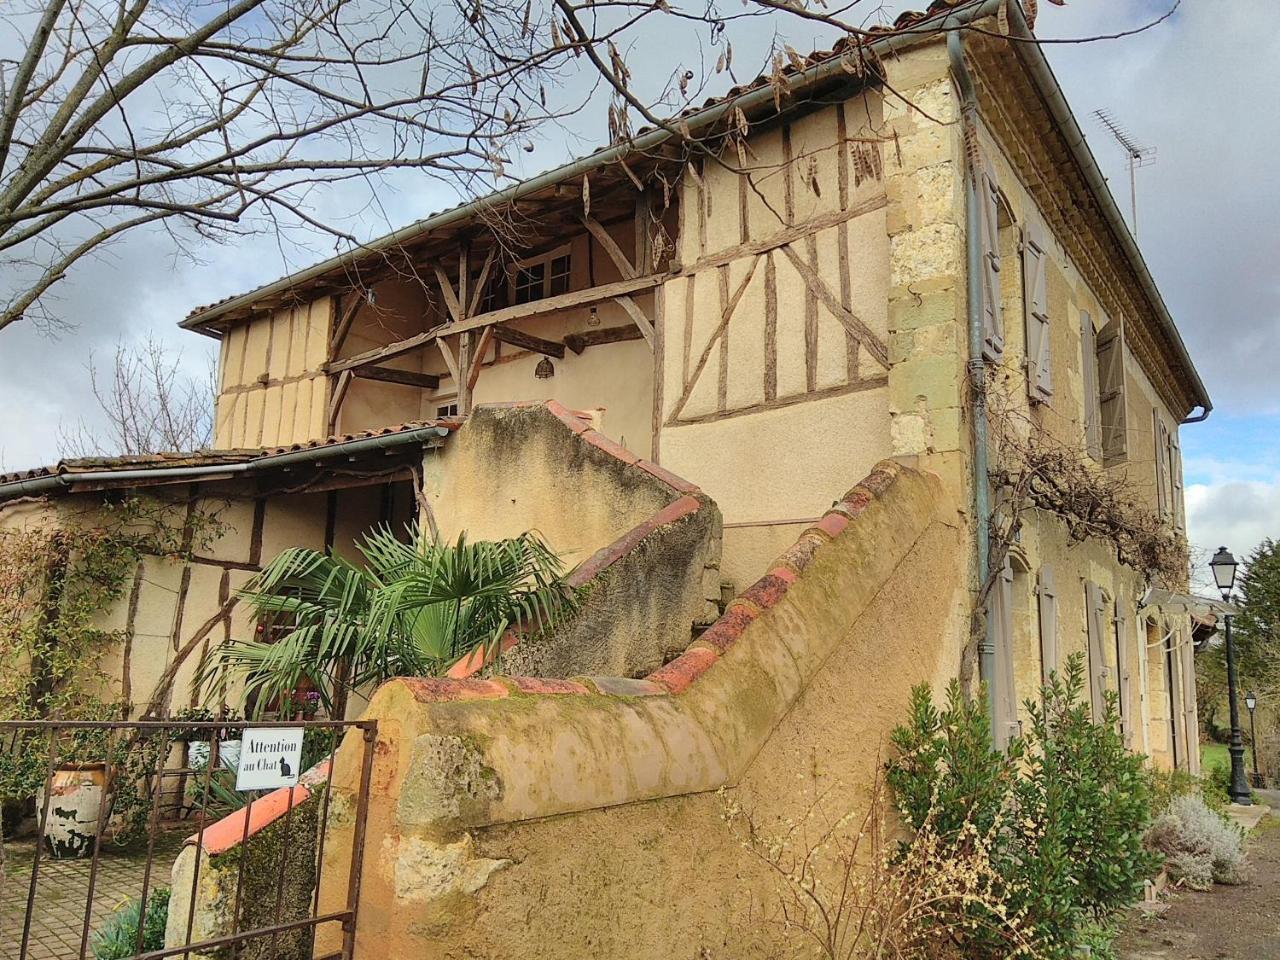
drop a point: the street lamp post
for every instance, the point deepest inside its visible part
(1223, 566)
(1251, 701)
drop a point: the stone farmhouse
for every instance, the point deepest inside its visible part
(759, 394)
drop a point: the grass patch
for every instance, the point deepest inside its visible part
(1212, 753)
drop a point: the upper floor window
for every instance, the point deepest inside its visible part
(545, 276)
(1168, 467)
(1105, 413)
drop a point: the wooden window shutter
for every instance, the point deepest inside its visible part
(1001, 626)
(1048, 595)
(1178, 506)
(1094, 620)
(1035, 296)
(1089, 369)
(1122, 671)
(1160, 438)
(1112, 413)
(989, 214)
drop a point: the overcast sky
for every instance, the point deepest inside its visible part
(1200, 88)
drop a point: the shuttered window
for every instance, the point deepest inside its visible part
(1160, 437)
(1112, 415)
(989, 214)
(1048, 599)
(1122, 670)
(1089, 369)
(1095, 623)
(1001, 627)
(1177, 505)
(1035, 295)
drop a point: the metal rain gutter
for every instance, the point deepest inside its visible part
(1033, 59)
(976, 364)
(36, 486)
(759, 97)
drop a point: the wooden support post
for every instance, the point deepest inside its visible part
(477, 359)
(464, 373)
(446, 291)
(339, 394)
(625, 267)
(482, 283)
(350, 306)
(527, 341)
(449, 361)
(636, 314)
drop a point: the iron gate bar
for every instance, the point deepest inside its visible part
(357, 853)
(234, 938)
(97, 853)
(154, 780)
(153, 822)
(35, 863)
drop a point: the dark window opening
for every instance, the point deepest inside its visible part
(530, 283)
(561, 267)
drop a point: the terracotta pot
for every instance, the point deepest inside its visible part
(75, 803)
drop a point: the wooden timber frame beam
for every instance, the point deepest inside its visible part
(408, 378)
(527, 341)
(536, 308)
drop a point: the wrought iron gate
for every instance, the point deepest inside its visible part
(113, 814)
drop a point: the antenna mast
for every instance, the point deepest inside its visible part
(1137, 153)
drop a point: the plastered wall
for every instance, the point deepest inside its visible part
(271, 388)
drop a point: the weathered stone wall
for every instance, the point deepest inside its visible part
(581, 818)
(648, 542)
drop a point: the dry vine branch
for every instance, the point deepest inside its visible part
(148, 406)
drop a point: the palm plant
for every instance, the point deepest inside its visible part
(413, 608)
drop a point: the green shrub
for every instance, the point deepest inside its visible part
(1068, 803)
(118, 938)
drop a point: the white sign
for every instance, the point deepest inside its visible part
(270, 758)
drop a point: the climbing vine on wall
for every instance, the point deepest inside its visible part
(57, 580)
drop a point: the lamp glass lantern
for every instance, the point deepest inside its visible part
(1251, 701)
(1224, 566)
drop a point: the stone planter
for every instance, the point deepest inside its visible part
(75, 804)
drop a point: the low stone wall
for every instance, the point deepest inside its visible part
(585, 817)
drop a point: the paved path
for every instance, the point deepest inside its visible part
(58, 918)
(1225, 923)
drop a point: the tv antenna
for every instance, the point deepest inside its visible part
(1137, 153)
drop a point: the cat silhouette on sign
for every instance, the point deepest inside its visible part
(285, 770)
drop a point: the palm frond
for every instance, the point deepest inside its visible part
(414, 607)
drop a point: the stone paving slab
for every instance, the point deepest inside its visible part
(62, 890)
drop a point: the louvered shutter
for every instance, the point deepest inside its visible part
(1179, 507)
(1122, 671)
(989, 214)
(1160, 437)
(1006, 694)
(1048, 624)
(1089, 369)
(1112, 412)
(1035, 296)
(1094, 620)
